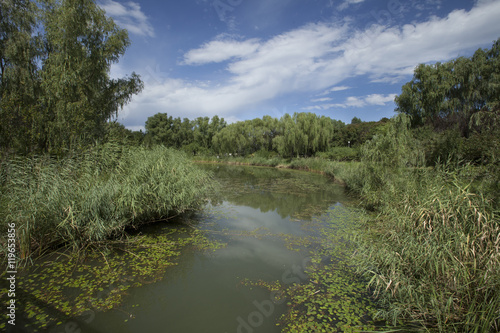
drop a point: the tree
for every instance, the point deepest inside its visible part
(19, 80)
(68, 96)
(160, 129)
(116, 132)
(81, 44)
(355, 121)
(450, 94)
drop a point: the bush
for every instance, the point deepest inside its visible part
(341, 154)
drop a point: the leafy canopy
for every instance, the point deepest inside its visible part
(55, 88)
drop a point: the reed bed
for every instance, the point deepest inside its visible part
(95, 195)
(430, 248)
(433, 256)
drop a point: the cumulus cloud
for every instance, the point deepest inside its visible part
(315, 57)
(128, 16)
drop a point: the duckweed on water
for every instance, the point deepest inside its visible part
(99, 282)
(333, 299)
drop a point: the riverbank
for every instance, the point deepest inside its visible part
(338, 171)
(432, 253)
(92, 196)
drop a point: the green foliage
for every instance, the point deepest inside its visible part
(102, 281)
(55, 89)
(300, 134)
(340, 154)
(192, 136)
(397, 148)
(94, 195)
(458, 102)
(452, 93)
(357, 133)
(304, 134)
(433, 256)
(118, 134)
(246, 137)
(355, 121)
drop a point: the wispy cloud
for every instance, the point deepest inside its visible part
(315, 57)
(354, 102)
(347, 3)
(221, 50)
(334, 89)
(128, 16)
(324, 99)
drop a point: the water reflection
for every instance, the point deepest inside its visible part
(259, 215)
(289, 193)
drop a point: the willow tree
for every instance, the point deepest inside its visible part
(452, 93)
(79, 96)
(19, 79)
(67, 94)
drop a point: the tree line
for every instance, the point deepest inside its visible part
(300, 134)
(56, 96)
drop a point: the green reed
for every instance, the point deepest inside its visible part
(96, 194)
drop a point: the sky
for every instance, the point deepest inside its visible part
(243, 59)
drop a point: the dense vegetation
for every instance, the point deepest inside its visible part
(300, 134)
(432, 176)
(55, 89)
(68, 175)
(434, 255)
(431, 173)
(96, 194)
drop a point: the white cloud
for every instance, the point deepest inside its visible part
(377, 99)
(315, 57)
(324, 99)
(339, 88)
(334, 89)
(347, 3)
(355, 102)
(220, 50)
(128, 16)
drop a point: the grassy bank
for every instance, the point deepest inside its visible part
(432, 253)
(95, 195)
(342, 172)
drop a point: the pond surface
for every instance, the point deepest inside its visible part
(264, 223)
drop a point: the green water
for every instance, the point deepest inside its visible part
(264, 222)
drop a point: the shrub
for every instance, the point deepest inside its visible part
(341, 154)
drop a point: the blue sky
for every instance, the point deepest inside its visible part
(242, 59)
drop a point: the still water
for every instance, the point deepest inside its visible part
(263, 217)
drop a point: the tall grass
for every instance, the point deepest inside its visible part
(95, 195)
(432, 251)
(433, 255)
